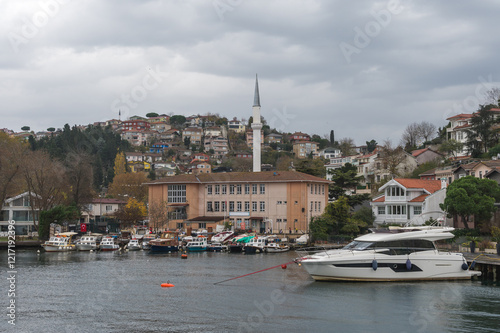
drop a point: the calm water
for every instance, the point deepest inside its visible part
(120, 292)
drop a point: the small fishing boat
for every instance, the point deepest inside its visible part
(88, 242)
(60, 243)
(237, 243)
(168, 242)
(217, 247)
(276, 247)
(134, 245)
(255, 245)
(108, 244)
(199, 244)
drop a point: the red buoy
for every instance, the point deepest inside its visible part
(283, 266)
(184, 256)
(167, 285)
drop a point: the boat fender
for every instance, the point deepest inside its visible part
(408, 265)
(184, 256)
(374, 264)
(472, 265)
(283, 266)
(464, 266)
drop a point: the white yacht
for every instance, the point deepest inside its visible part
(404, 254)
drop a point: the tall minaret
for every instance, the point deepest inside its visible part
(256, 127)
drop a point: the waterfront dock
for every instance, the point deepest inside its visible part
(488, 264)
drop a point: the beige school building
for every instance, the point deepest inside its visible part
(258, 201)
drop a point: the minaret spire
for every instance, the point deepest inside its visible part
(256, 97)
(256, 128)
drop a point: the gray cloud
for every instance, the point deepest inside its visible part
(420, 63)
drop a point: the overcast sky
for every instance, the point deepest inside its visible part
(365, 69)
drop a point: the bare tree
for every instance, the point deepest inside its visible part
(45, 181)
(427, 130)
(11, 152)
(392, 158)
(411, 136)
(492, 96)
(158, 215)
(346, 146)
(80, 176)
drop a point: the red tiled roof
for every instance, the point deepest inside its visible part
(429, 185)
(462, 115)
(417, 152)
(246, 177)
(381, 199)
(420, 198)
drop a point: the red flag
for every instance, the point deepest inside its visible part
(83, 227)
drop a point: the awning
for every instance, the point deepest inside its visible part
(206, 219)
(177, 204)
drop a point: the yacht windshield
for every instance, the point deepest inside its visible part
(357, 246)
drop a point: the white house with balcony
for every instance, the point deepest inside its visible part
(18, 209)
(412, 201)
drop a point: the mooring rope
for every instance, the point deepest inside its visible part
(262, 270)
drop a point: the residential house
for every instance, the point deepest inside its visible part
(159, 147)
(409, 201)
(214, 131)
(201, 157)
(194, 134)
(138, 125)
(284, 200)
(404, 164)
(101, 211)
(426, 155)
(299, 136)
(171, 135)
(160, 126)
(476, 169)
(139, 138)
(338, 162)
(197, 167)
(18, 209)
(218, 144)
(274, 138)
(236, 126)
(243, 154)
(304, 149)
(330, 153)
(249, 138)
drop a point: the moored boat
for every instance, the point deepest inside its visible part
(88, 242)
(276, 247)
(145, 245)
(255, 245)
(222, 237)
(133, 245)
(199, 244)
(108, 244)
(217, 247)
(406, 254)
(168, 242)
(60, 243)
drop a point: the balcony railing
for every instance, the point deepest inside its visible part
(177, 216)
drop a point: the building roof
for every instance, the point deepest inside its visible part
(430, 172)
(420, 198)
(107, 201)
(429, 185)
(243, 177)
(462, 115)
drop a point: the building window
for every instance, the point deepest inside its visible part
(284, 202)
(315, 206)
(217, 206)
(311, 188)
(417, 210)
(180, 225)
(231, 189)
(109, 208)
(247, 206)
(262, 188)
(231, 206)
(202, 225)
(217, 189)
(262, 206)
(238, 206)
(223, 206)
(247, 188)
(209, 189)
(238, 189)
(176, 193)
(224, 189)
(254, 188)
(381, 210)
(210, 207)
(254, 206)
(319, 206)
(279, 202)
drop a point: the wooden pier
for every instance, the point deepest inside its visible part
(488, 264)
